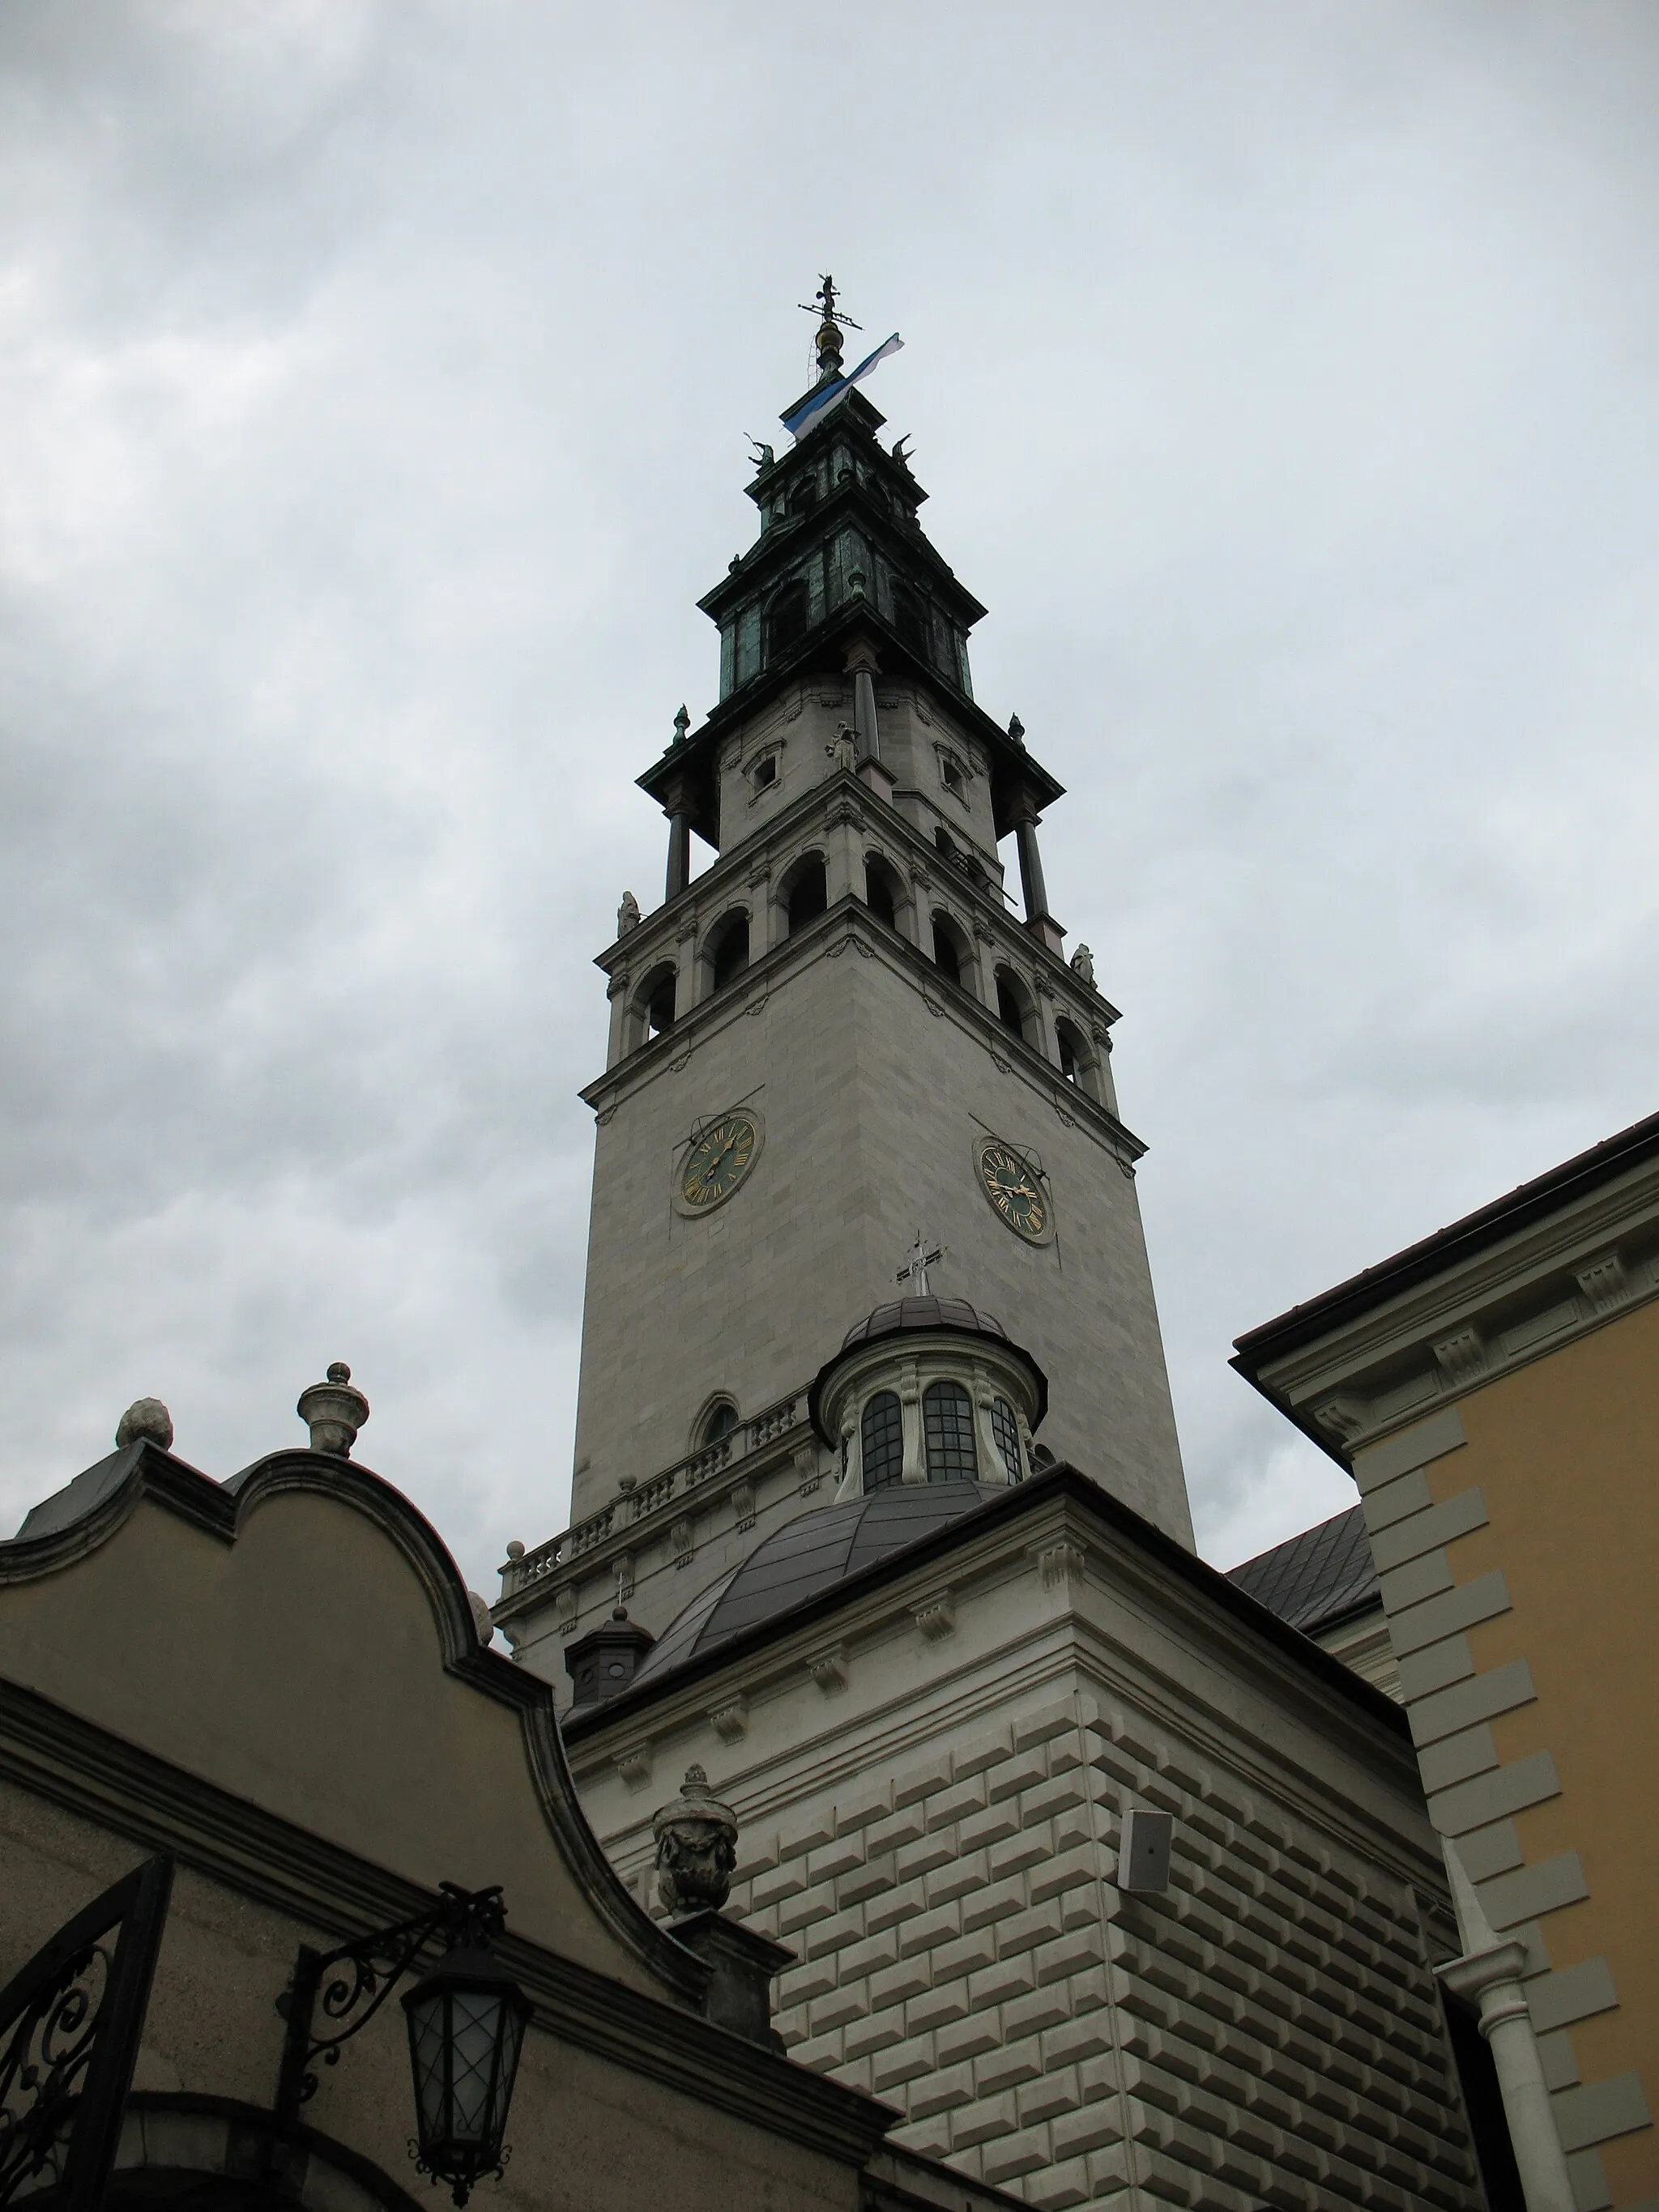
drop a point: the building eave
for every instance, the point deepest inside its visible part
(1062, 1482)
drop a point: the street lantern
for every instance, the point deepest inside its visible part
(466, 2024)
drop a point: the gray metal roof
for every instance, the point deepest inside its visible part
(1317, 1577)
(901, 1314)
(806, 1556)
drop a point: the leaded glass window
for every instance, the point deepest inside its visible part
(947, 1420)
(882, 1441)
(1006, 1429)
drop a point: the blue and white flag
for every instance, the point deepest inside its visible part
(831, 395)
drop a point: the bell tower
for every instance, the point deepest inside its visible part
(846, 1033)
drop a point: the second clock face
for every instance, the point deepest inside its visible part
(1011, 1185)
(719, 1161)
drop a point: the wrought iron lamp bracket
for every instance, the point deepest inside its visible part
(371, 1967)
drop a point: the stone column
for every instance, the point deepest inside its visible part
(617, 990)
(990, 1466)
(841, 845)
(1489, 1975)
(863, 668)
(1045, 1040)
(914, 1467)
(679, 854)
(1030, 864)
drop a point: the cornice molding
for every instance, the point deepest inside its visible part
(1486, 1313)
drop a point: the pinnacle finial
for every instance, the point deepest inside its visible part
(682, 724)
(831, 328)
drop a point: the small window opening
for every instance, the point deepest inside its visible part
(1067, 1055)
(786, 620)
(1006, 1429)
(766, 771)
(1008, 1008)
(718, 1422)
(808, 896)
(910, 619)
(952, 775)
(947, 1420)
(881, 1440)
(944, 843)
(946, 958)
(660, 1008)
(878, 892)
(805, 496)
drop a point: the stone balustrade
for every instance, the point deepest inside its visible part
(657, 1494)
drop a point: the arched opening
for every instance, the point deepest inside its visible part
(805, 496)
(950, 951)
(882, 889)
(1004, 1427)
(718, 1420)
(728, 949)
(808, 893)
(881, 1440)
(947, 1424)
(653, 1008)
(786, 620)
(1077, 1060)
(944, 844)
(1012, 1008)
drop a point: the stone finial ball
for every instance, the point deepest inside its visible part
(339, 1372)
(148, 1418)
(515, 1549)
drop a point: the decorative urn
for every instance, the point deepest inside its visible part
(696, 1847)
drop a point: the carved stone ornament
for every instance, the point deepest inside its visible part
(696, 1848)
(148, 1418)
(333, 1412)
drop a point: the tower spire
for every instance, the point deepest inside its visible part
(830, 329)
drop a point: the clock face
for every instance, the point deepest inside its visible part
(1011, 1185)
(719, 1161)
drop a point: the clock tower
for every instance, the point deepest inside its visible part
(844, 1051)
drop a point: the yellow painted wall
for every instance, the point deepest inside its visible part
(1566, 1455)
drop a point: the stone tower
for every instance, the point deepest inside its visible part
(840, 1049)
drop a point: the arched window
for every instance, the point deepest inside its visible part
(808, 893)
(805, 496)
(719, 1421)
(947, 1423)
(786, 620)
(1006, 1429)
(728, 949)
(910, 619)
(882, 889)
(1009, 1011)
(1077, 1061)
(881, 1440)
(950, 950)
(652, 1007)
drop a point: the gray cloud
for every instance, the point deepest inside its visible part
(374, 379)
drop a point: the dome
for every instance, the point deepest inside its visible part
(899, 1315)
(808, 1556)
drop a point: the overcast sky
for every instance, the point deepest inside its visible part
(374, 380)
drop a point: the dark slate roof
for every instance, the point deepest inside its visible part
(900, 1314)
(1318, 1577)
(806, 1557)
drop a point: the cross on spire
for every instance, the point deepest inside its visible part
(921, 1260)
